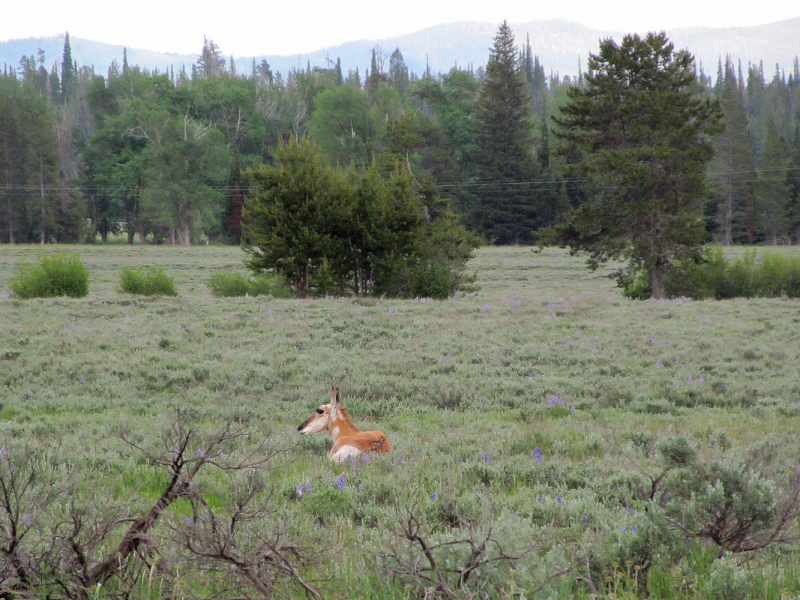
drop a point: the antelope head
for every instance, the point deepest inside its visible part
(322, 416)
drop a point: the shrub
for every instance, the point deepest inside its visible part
(225, 285)
(147, 281)
(771, 276)
(59, 274)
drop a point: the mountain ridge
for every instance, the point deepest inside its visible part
(561, 46)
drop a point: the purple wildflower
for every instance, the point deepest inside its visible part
(433, 495)
(188, 520)
(560, 499)
(299, 491)
(80, 379)
(359, 487)
(486, 457)
(485, 308)
(659, 365)
(584, 519)
(340, 482)
(308, 488)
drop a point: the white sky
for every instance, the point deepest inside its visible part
(289, 27)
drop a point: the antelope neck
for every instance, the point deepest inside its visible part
(341, 424)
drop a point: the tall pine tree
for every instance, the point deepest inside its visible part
(732, 172)
(504, 210)
(643, 132)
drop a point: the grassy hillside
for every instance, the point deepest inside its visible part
(543, 406)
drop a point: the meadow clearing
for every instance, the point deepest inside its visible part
(536, 415)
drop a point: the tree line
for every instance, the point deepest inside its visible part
(166, 157)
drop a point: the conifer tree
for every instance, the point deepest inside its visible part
(732, 172)
(772, 189)
(505, 210)
(398, 71)
(68, 87)
(793, 185)
(644, 135)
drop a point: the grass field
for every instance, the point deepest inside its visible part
(539, 407)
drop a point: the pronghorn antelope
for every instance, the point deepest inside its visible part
(348, 440)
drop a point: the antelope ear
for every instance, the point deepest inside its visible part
(336, 397)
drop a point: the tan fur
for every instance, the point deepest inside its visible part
(348, 440)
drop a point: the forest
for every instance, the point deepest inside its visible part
(165, 157)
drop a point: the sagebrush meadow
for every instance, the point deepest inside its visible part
(544, 406)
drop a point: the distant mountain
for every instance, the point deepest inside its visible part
(560, 45)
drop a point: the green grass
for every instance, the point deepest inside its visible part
(460, 387)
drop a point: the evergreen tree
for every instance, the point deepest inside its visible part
(338, 72)
(732, 173)
(772, 188)
(505, 210)
(211, 62)
(643, 133)
(398, 71)
(68, 75)
(793, 185)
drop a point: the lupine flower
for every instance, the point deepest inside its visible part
(299, 490)
(538, 498)
(560, 499)
(623, 529)
(365, 457)
(308, 488)
(188, 520)
(659, 365)
(80, 379)
(584, 519)
(359, 487)
(633, 528)
(340, 482)
(400, 460)
(553, 400)
(486, 457)
(485, 308)
(433, 495)
(701, 379)
(629, 509)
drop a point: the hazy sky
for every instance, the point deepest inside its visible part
(288, 27)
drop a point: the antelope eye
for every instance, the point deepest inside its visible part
(320, 411)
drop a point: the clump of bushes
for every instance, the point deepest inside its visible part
(147, 281)
(235, 284)
(59, 274)
(772, 275)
